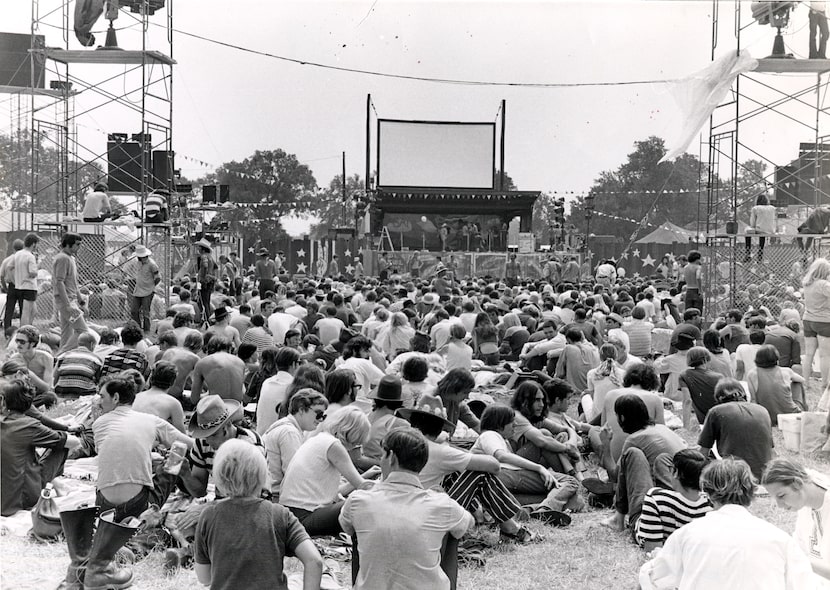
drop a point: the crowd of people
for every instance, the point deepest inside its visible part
(403, 410)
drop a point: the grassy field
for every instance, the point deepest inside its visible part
(585, 555)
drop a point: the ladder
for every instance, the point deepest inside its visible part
(384, 235)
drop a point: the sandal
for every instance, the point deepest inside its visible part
(551, 517)
(523, 536)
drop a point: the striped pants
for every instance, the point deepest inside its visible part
(470, 487)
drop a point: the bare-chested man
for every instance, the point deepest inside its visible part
(39, 362)
(185, 359)
(223, 373)
(223, 328)
(157, 401)
(182, 326)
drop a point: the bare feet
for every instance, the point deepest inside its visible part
(615, 522)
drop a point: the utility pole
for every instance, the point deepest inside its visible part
(343, 205)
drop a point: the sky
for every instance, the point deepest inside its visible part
(229, 103)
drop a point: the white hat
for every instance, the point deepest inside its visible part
(142, 251)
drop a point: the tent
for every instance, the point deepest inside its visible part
(667, 233)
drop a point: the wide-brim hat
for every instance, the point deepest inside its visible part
(430, 298)
(389, 389)
(203, 243)
(142, 252)
(212, 413)
(616, 317)
(440, 268)
(263, 252)
(429, 406)
(220, 313)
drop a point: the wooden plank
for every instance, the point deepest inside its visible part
(793, 66)
(104, 56)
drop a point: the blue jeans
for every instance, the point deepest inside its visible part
(140, 310)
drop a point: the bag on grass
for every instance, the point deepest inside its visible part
(46, 520)
(812, 438)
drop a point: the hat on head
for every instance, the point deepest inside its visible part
(212, 413)
(616, 317)
(142, 252)
(388, 389)
(440, 268)
(429, 406)
(262, 252)
(220, 313)
(430, 298)
(203, 243)
(688, 331)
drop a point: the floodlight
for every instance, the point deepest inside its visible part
(774, 14)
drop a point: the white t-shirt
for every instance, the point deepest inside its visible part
(279, 323)
(272, 394)
(95, 204)
(328, 329)
(490, 442)
(366, 373)
(443, 460)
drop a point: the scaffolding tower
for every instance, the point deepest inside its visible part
(760, 97)
(135, 82)
(129, 91)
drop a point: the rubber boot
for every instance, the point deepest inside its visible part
(78, 528)
(102, 573)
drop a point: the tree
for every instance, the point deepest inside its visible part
(332, 209)
(16, 175)
(266, 186)
(665, 191)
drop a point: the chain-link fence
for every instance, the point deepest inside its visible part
(106, 268)
(751, 270)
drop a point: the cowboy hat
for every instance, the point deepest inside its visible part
(220, 313)
(212, 413)
(263, 252)
(204, 243)
(429, 406)
(142, 252)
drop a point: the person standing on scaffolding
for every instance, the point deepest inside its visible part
(762, 220)
(816, 223)
(97, 205)
(207, 269)
(818, 24)
(146, 278)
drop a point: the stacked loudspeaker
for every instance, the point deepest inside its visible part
(129, 160)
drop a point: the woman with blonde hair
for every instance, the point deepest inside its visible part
(808, 494)
(242, 539)
(394, 337)
(816, 292)
(311, 486)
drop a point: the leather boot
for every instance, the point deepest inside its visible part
(78, 528)
(102, 573)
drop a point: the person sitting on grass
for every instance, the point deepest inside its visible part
(400, 527)
(806, 492)
(775, 387)
(666, 510)
(522, 475)
(468, 478)
(698, 382)
(241, 540)
(559, 393)
(729, 547)
(311, 487)
(157, 401)
(739, 428)
(306, 410)
(645, 460)
(23, 472)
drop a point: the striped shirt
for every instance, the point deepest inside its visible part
(202, 454)
(123, 359)
(257, 336)
(77, 373)
(665, 511)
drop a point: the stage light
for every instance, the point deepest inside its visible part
(774, 14)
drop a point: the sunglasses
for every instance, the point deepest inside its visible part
(319, 415)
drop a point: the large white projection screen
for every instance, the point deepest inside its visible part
(440, 155)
